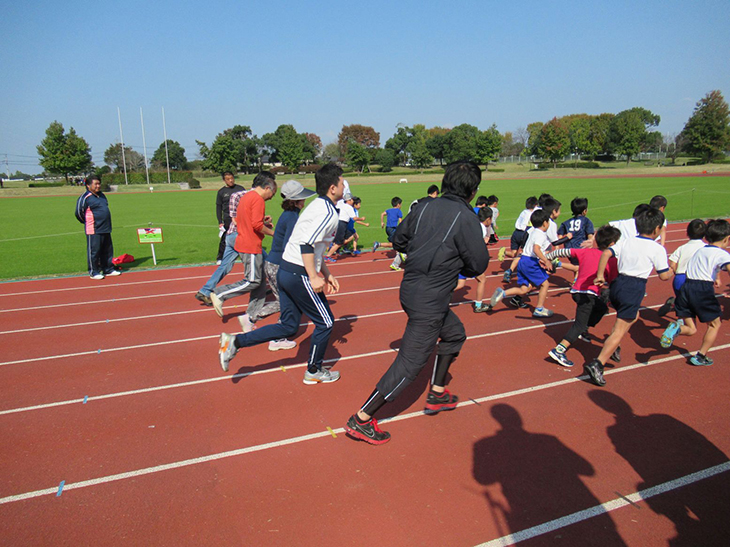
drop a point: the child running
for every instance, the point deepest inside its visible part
(519, 236)
(581, 228)
(485, 219)
(591, 307)
(351, 235)
(637, 257)
(533, 266)
(697, 296)
(679, 259)
(493, 203)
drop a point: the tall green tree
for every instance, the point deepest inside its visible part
(579, 132)
(362, 134)
(437, 146)
(599, 132)
(64, 153)
(176, 154)
(707, 132)
(287, 146)
(358, 156)
(489, 143)
(221, 156)
(420, 156)
(398, 144)
(246, 145)
(113, 157)
(385, 159)
(627, 133)
(461, 143)
(554, 140)
(533, 137)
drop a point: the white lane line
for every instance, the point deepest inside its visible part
(311, 436)
(272, 369)
(606, 507)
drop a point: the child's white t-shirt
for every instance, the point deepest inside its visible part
(495, 214)
(523, 221)
(707, 263)
(536, 237)
(552, 231)
(347, 212)
(626, 227)
(682, 255)
(638, 256)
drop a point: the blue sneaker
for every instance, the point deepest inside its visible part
(670, 333)
(560, 358)
(699, 360)
(507, 277)
(376, 244)
(355, 253)
(542, 312)
(496, 297)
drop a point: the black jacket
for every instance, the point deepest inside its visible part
(442, 239)
(221, 203)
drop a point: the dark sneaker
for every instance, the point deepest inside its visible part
(368, 432)
(585, 337)
(507, 277)
(666, 307)
(700, 360)
(376, 244)
(203, 298)
(482, 308)
(670, 333)
(616, 355)
(594, 370)
(517, 302)
(560, 358)
(436, 403)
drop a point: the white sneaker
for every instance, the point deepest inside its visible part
(97, 276)
(323, 376)
(226, 350)
(276, 345)
(217, 262)
(113, 273)
(246, 324)
(217, 304)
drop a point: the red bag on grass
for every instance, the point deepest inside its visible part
(122, 259)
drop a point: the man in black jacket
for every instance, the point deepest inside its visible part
(221, 209)
(442, 238)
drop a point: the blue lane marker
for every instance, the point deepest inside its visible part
(86, 397)
(107, 320)
(98, 351)
(60, 488)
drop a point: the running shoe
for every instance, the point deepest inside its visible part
(542, 312)
(330, 259)
(616, 355)
(501, 253)
(113, 273)
(217, 304)
(556, 263)
(560, 358)
(496, 297)
(323, 376)
(376, 244)
(481, 308)
(436, 402)
(395, 268)
(700, 360)
(585, 337)
(226, 349)
(507, 277)
(276, 345)
(594, 370)
(246, 324)
(356, 253)
(97, 276)
(670, 333)
(368, 432)
(517, 302)
(203, 299)
(666, 307)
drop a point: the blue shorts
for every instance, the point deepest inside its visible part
(389, 231)
(677, 283)
(626, 294)
(340, 235)
(697, 299)
(529, 272)
(518, 240)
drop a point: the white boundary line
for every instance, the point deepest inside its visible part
(317, 435)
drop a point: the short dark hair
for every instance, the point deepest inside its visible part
(658, 201)
(356, 200)
(542, 198)
(578, 206)
(290, 205)
(481, 200)
(491, 200)
(696, 229)
(648, 221)
(326, 176)
(550, 205)
(91, 178)
(606, 236)
(265, 180)
(539, 217)
(395, 201)
(531, 202)
(640, 208)
(431, 189)
(462, 179)
(717, 230)
(485, 213)
(224, 173)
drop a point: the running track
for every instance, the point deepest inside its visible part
(114, 388)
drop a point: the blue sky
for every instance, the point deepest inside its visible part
(320, 65)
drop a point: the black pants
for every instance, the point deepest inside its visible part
(420, 337)
(222, 244)
(590, 311)
(99, 253)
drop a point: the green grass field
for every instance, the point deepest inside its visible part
(39, 236)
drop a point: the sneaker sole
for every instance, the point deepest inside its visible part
(313, 382)
(356, 435)
(435, 409)
(221, 351)
(496, 299)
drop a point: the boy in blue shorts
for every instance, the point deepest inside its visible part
(679, 259)
(533, 267)
(519, 236)
(697, 294)
(637, 257)
(351, 235)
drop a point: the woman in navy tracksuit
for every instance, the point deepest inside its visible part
(92, 210)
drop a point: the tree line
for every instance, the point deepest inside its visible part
(706, 135)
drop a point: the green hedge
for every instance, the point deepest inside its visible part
(155, 178)
(493, 170)
(46, 184)
(570, 165)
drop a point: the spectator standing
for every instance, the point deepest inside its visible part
(222, 201)
(92, 210)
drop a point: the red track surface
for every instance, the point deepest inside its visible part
(169, 450)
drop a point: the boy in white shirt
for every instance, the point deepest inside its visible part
(532, 269)
(697, 296)
(637, 257)
(679, 259)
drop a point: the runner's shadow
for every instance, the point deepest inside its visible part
(661, 448)
(533, 478)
